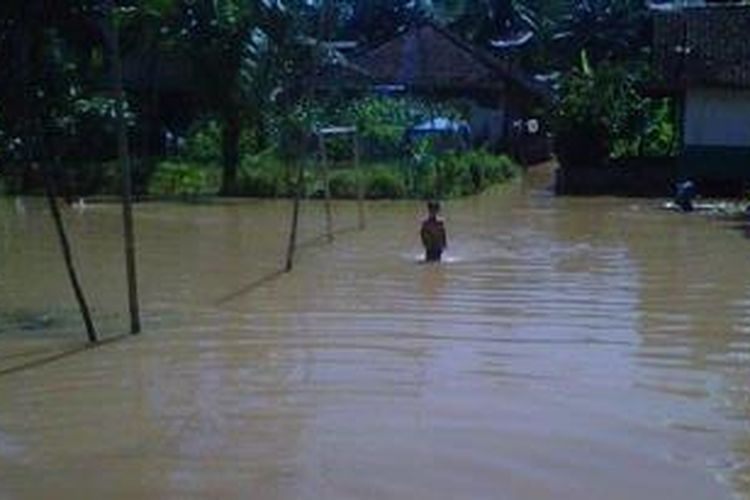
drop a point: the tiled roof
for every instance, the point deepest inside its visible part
(703, 46)
(430, 57)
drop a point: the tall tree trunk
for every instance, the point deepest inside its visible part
(124, 157)
(65, 246)
(231, 151)
(261, 138)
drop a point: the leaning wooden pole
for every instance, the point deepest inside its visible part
(360, 181)
(291, 248)
(67, 256)
(127, 187)
(326, 186)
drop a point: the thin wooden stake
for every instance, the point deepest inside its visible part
(360, 182)
(69, 265)
(326, 186)
(295, 216)
(127, 188)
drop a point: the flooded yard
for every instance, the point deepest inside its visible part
(567, 349)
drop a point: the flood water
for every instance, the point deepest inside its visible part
(582, 348)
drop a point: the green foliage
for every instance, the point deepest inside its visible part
(608, 31)
(446, 175)
(260, 184)
(385, 183)
(344, 184)
(203, 143)
(660, 131)
(264, 176)
(465, 173)
(601, 115)
(481, 21)
(183, 179)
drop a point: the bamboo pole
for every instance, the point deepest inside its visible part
(360, 181)
(67, 256)
(291, 248)
(124, 158)
(326, 186)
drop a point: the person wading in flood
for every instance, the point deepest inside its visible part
(433, 233)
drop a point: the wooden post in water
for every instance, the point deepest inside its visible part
(295, 215)
(326, 185)
(69, 266)
(360, 181)
(124, 157)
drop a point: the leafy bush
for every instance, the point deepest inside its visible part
(344, 184)
(260, 184)
(183, 179)
(264, 175)
(383, 183)
(601, 115)
(462, 173)
(383, 121)
(203, 143)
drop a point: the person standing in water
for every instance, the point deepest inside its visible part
(433, 233)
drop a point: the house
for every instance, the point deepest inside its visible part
(427, 60)
(702, 58)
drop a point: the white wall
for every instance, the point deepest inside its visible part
(717, 117)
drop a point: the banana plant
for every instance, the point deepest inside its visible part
(609, 30)
(492, 22)
(232, 46)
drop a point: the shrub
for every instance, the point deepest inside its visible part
(203, 143)
(265, 175)
(601, 115)
(454, 172)
(461, 174)
(344, 184)
(494, 168)
(260, 184)
(183, 179)
(385, 183)
(425, 182)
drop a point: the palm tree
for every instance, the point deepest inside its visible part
(372, 21)
(488, 22)
(606, 29)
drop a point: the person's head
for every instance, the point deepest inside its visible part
(433, 208)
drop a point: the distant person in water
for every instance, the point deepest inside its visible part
(684, 196)
(433, 233)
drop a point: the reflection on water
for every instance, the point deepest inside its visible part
(566, 349)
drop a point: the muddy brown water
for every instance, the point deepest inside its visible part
(583, 348)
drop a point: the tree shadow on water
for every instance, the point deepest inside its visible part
(279, 273)
(40, 357)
